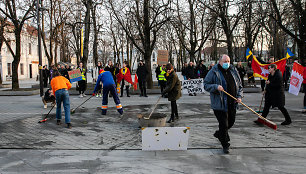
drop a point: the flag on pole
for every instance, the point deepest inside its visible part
(296, 78)
(261, 70)
(289, 53)
(248, 53)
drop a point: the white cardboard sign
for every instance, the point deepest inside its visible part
(165, 138)
(193, 86)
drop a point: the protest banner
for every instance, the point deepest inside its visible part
(162, 57)
(75, 75)
(296, 79)
(193, 86)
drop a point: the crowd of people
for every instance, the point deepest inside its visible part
(111, 80)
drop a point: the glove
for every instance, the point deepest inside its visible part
(93, 94)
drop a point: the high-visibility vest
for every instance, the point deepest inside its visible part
(83, 70)
(161, 76)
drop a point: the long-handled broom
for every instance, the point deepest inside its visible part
(73, 110)
(147, 118)
(260, 111)
(261, 119)
(46, 117)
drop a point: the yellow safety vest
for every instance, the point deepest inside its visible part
(83, 70)
(161, 76)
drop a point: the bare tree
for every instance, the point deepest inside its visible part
(193, 26)
(18, 18)
(145, 20)
(295, 26)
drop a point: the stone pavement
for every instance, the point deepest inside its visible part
(106, 144)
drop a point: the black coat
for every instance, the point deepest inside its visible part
(202, 70)
(241, 71)
(190, 72)
(142, 73)
(275, 90)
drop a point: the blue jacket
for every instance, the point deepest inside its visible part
(106, 78)
(213, 79)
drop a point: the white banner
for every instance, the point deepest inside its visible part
(193, 86)
(296, 79)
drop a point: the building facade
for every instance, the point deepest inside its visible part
(29, 60)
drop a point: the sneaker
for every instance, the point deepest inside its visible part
(69, 126)
(97, 95)
(84, 95)
(58, 122)
(81, 96)
(286, 123)
(145, 95)
(45, 106)
(100, 95)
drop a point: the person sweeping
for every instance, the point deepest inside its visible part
(109, 85)
(60, 86)
(173, 89)
(275, 95)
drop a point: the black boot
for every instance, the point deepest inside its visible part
(171, 119)
(145, 92)
(127, 91)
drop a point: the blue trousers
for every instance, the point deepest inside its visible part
(113, 91)
(62, 95)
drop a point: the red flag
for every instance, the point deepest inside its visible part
(124, 73)
(296, 79)
(135, 82)
(261, 70)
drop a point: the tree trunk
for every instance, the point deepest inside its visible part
(87, 31)
(15, 63)
(95, 41)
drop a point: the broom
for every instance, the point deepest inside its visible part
(261, 119)
(73, 110)
(45, 119)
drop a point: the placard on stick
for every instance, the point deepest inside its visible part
(165, 138)
(75, 75)
(162, 57)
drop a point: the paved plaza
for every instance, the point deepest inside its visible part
(110, 144)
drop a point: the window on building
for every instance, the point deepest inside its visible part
(30, 50)
(9, 72)
(21, 69)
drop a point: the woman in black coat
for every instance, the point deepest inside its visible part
(274, 95)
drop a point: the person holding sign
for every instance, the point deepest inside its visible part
(224, 76)
(173, 89)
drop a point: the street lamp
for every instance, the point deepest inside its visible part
(39, 48)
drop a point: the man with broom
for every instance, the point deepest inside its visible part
(224, 77)
(108, 86)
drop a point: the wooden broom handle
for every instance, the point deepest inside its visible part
(249, 108)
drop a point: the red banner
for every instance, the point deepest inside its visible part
(261, 70)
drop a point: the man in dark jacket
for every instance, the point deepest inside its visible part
(201, 70)
(224, 77)
(45, 73)
(241, 71)
(274, 95)
(142, 73)
(191, 74)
